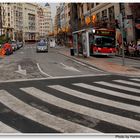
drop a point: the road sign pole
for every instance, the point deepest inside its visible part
(121, 28)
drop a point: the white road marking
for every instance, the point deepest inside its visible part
(42, 71)
(87, 65)
(41, 117)
(69, 68)
(96, 99)
(79, 62)
(107, 91)
(127, 82)
(108, 117)
(7, 129)
(136, 80)
(119, 86)
(21, 71)
(95, 69)
(56, 77)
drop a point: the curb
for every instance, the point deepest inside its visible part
(134, 58)
(72, 57)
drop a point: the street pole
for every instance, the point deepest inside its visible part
(1, 19)
(121, 28)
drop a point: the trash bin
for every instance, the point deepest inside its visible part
(71, 51)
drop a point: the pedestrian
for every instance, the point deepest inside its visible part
(132, 48)
(138, 50)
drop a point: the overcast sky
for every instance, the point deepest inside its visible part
(53, 8)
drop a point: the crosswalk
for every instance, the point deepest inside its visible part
(95, 107)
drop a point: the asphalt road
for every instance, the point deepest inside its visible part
(27, 64)
(50, 93)
(94, 104)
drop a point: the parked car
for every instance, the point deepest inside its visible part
(7, 48)
(42, 46)
(19, 44)
(14, 45)
(2, 50)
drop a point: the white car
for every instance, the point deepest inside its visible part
(42, 46)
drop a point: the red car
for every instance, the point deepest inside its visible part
(8, 48)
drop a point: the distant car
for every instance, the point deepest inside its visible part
(19, 44)
(14, 45)
(42, 46)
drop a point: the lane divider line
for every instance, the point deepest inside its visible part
(43, 71)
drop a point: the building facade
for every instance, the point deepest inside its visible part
(44, 20)
(105, 15)
(7, 20)
(25, 21)
(62, 24)
(18, 21)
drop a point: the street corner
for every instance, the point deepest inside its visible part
(120, 69)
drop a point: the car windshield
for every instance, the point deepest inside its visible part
(104, 41)
(13, 41)
(41, 44)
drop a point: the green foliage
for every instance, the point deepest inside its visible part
(4, 39)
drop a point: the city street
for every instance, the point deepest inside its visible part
(53, 93)
(27, 64)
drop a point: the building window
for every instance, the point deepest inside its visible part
(92, 5)
(88, 6)
(98, 16)
(111, 13)
(122, 9)
(104, 14)
(82, 9)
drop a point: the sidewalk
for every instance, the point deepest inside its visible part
(103, 64)
(131, 57)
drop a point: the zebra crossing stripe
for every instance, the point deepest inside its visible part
(108, 117)
(100, 100)
(7, 129)
(135, 80)
(118, 86)
(41, 117)
(107, 91)
(128, 83)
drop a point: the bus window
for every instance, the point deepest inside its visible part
(108, 41)
(98, 41)
(104, 41)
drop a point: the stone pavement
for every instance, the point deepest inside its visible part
(103, 64)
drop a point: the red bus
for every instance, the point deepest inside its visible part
(102, 42)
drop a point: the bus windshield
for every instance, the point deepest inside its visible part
(104, 41)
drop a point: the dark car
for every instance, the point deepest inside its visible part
(14, 45)
(42, 46)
